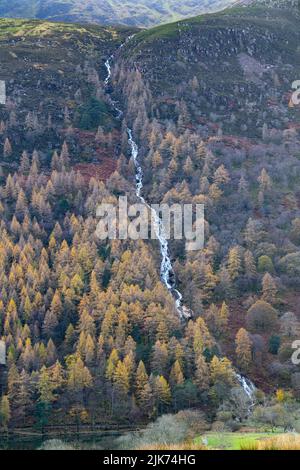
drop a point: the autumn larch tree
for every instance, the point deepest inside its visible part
(243, 349)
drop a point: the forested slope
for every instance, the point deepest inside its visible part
(92, 334)
(220, 128)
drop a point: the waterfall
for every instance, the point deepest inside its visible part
(166, 269)
(249, 389)
(247, 385)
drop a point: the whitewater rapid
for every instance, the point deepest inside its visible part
(166, 268)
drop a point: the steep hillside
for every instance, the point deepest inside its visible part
(92, 332)
(223, 82)
(243, 59)
(54, 75)
(141, 13)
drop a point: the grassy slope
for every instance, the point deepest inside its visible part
(35, 28)
(39, 61)
(30, 44)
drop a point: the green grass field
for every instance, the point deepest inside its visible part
(231, 440)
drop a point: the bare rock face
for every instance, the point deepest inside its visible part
(187, 313)
(2, 353)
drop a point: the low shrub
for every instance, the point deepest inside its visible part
(56, 444)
